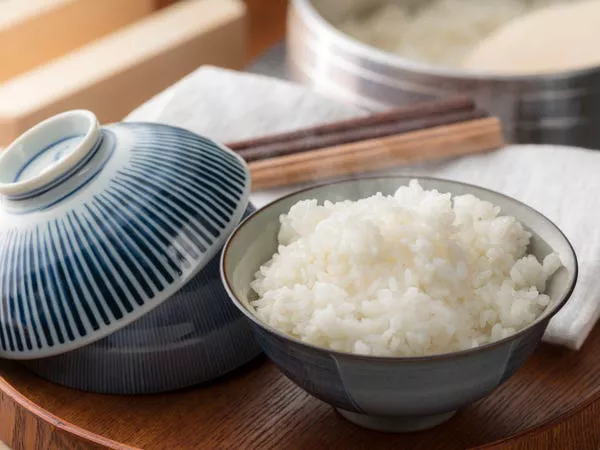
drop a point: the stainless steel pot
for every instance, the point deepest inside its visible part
(562, 108)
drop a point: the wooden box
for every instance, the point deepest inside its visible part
(114, 74)
(33, 32)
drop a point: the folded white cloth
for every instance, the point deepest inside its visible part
(560, 182)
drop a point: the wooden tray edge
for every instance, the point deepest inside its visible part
(55, 423)
(541, 432)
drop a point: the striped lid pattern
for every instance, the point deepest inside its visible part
(110, 249)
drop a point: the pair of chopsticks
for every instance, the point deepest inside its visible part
(417, 133)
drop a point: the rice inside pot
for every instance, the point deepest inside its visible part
(440, 32)
(417, 273)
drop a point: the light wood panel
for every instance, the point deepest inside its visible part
(33, 32)
(113, 75)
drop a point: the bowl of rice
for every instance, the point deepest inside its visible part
(398, 301)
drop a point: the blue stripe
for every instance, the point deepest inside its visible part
(81, 298)
(66, 298)
(187, 202)
(55, 289)
(209, 165)
(145, 256)
(201, 168)
(45, 285)
(96, 268)
(161, 190)
(12, 308)
(127, 191)
(33, 291)
(208, 203)
(145, 249)
(136, 194)
(196, 153)
(189, 146)
(150, 291)
(79, 269)
(23, 328)
(110, 266)
(209, 180)
(24, 297)
(162, 232)
(5, 292)
(112, 253)
(3, 332)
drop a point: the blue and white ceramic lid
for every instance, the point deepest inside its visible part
(99, 225)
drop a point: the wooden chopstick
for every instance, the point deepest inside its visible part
(380, 124)
(360, 133)
(419, 110)
(444, 141)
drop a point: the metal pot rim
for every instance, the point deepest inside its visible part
(312, 17)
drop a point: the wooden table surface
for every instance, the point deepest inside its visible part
(25, 424)
(552, 402)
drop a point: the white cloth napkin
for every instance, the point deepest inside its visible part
(561, 182)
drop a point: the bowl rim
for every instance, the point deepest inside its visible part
(406, 359)
(308, 12)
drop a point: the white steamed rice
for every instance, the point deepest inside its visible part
(439, 32)
(416, 273)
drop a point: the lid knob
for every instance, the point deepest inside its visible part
(48, 153)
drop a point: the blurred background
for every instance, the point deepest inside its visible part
(112, 55)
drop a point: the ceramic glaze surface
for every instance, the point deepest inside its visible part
(195, 336)
(92, 240)
(392, 394)
(48, 156)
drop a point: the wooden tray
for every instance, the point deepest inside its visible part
(552, 402)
